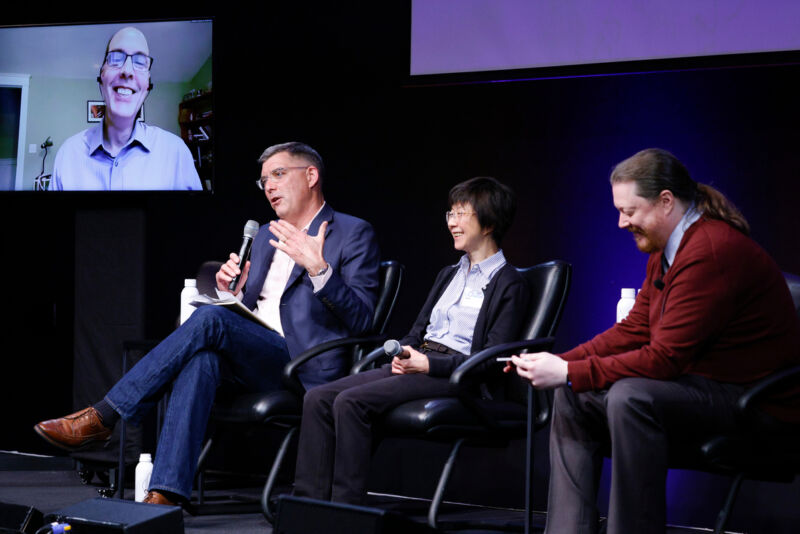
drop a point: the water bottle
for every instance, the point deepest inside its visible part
(143, 471)
(625, 303)
(187, 294)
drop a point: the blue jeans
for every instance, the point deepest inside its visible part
(213, 343)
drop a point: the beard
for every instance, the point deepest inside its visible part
(644, 241)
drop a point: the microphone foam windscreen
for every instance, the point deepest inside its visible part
(392, 347)
(251, 228)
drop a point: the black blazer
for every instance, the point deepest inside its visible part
(505, 303)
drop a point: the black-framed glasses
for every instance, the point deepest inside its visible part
(276, 175)
(457, 215)
(117, 58)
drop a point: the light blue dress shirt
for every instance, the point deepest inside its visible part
(153, 159)
(674, 241)
(454, 316)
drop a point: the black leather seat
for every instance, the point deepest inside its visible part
(283, 408)
(752, 453)
(488, 422)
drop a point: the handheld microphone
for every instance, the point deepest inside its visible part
(659, 284)
(250, 231)
(392, 348)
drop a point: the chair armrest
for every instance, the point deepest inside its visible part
(289, 377)
(460, 380)
(766, 385)
(367, 360)
(539, 344)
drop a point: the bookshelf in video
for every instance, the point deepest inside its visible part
(196, 117)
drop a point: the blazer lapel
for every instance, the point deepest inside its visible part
(258, 270)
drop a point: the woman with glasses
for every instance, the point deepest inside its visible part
(121, 152)
(476, 303)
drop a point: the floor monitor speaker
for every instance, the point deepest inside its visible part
(301, 515)
(19, 518)
(112, 516)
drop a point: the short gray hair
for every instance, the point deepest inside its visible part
(296, 149)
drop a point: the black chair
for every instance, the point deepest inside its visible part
(468, 419)
(283, 409)
(752, 453)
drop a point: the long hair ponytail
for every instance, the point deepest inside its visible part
(654, 170)
(715, 205)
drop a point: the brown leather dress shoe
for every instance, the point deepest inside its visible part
(75, 430)
(154, 497)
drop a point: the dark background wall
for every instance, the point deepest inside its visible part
(335, 77)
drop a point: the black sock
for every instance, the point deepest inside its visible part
(108, 415)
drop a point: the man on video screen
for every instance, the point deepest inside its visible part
(122, 153)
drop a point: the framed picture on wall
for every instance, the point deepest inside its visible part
(96, 110)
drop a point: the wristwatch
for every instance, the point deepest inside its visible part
(323, 270)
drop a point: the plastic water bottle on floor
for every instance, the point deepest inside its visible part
(143, 471)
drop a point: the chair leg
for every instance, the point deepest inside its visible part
(722, 518)
(433, 511)
(201, 479)
(121, 462)
(529, 464)
(122, 440)
(273, 475)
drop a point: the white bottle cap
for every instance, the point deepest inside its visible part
(628, 293)
(145, 457)
(190, 282)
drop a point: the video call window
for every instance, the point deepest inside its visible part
(107, 107)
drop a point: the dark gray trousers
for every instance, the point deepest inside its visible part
(644, 423)
(336, 433)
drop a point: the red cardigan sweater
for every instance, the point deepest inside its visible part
(724, 313)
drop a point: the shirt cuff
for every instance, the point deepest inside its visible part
(227, 294)
(319, 281)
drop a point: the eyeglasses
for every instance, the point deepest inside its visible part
(276, 175)
(458, 215)
(117, 58)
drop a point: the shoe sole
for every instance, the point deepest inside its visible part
(64, 446)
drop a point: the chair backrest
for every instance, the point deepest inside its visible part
(391, 277)
(206, 278)
(793, 282)
(549, 286)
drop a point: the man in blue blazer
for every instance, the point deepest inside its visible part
(313, 277)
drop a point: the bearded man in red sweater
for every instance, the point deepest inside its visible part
(714, 314)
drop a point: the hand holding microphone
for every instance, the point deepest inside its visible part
(234, 270)
(393, 349)
(405, 360)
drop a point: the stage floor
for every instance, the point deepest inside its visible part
(49, 491)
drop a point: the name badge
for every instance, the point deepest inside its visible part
(472, 298)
